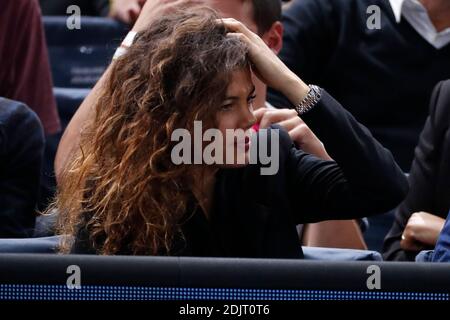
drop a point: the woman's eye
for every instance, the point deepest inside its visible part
(226, 107)
(251, 99)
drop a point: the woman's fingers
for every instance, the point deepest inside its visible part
(276, 116)
(259, 113)
(236, 26)
(291, 124)
(300, 133)
(242, 37)
(267, 66)
(266, 117)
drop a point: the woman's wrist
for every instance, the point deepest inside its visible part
(294, 89)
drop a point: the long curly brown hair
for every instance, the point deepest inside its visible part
(122, 185)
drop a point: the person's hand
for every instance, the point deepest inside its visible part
(268, 67)
(154, 9)
(126, 11)
(299, 132)
(422, 230)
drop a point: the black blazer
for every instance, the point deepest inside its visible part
(21, 154)
(430, 174)
(256, 216)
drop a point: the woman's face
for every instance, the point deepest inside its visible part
(235, 118)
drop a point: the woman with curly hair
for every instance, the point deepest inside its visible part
(122, 193)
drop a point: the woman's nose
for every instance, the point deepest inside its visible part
(248, 119)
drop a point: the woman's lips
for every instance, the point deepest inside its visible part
(245, 143)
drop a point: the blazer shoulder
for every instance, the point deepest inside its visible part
(440, 104)
(19, 126)
(15, 111)
(445, 84)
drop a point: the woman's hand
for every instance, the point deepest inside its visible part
(300, 133)
(422, 230)
(268, 67)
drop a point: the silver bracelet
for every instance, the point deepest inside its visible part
(126, 43)
(311, 99)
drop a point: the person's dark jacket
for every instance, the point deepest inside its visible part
(21, 153)
(383, 76)
(254, 215)
(430, 174)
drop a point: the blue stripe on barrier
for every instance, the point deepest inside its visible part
(90, 292)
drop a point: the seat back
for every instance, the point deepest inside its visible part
(79, 57)
(30, 245)
(333, 254)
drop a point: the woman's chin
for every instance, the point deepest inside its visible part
(239, 161)
(233, 166)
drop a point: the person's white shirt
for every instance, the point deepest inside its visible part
(416, 14)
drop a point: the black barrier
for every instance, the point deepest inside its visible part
(51, 277)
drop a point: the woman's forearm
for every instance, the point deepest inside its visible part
(71, 138)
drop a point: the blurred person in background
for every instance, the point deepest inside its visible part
(384, 74)
(24, 66)
(420, 218)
